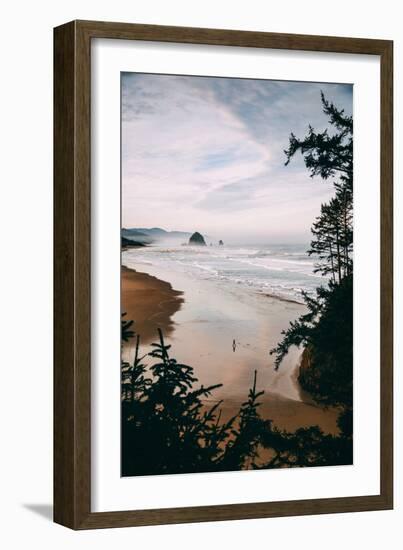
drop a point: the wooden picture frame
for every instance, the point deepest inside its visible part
(72, 271)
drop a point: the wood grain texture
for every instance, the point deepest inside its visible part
(64, 368)
(72, 321)
(72, 274)
(387, 273)
(221, 37)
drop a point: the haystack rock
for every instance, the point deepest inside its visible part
(220, 242)
(197, 239)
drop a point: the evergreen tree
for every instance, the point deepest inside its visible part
(330, 155)
(325, 331)
(306, 447)
(126, 329)
(327, 154)
(166, 427)
(333, 238)
(242, 450)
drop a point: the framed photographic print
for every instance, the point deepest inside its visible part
(223, 275)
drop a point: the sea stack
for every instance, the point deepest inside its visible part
(220, 242)
(197, 239)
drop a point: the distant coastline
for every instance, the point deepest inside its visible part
(129, 243)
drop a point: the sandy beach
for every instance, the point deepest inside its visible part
(150, 302)
(201, 322)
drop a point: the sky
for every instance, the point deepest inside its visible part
(207, 154)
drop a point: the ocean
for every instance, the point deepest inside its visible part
(282, 270)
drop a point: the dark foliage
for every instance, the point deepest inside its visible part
(126, 327)
(330, 155)
(326, 330)
(327, 154)
(332, 240)
(243, 448)
(306, 447)
(167, 429)
(326, 333)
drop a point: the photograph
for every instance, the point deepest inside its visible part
(236, 274)
(208, 197)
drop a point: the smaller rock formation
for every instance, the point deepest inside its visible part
(197, 239)
(220, 243)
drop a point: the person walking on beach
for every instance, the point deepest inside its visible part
(233, 345)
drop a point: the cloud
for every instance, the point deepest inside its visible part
(201, 148)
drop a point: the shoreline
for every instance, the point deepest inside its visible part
(201, 322)
(149, 302)
(281, 298)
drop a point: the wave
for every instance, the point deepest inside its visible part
(283, 271)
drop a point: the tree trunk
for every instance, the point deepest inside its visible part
(331, 262)
(338, 251)
(346, 268)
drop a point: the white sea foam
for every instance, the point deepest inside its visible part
(283, 270)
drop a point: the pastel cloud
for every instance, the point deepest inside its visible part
(208, 153)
